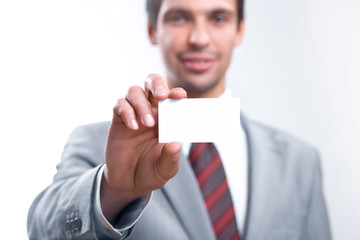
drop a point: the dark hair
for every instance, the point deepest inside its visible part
(153, 7)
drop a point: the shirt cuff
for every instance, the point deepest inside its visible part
(128, 218)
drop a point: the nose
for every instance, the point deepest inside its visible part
(199, 36)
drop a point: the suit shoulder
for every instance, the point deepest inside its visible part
(287, 143)
(94, 135)
(287, 155)
(98, 127)
(98, 130)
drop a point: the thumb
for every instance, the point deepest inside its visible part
(168, 164)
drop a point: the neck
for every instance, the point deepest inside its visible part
(213, 92)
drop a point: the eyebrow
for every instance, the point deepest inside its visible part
(223, 11)
(188, 12)
(177, 11)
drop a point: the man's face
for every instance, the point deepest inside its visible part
(196, 38)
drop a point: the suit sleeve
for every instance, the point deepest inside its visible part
(129, 216)
(317, 223)
(65, 209)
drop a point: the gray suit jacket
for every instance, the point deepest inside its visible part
(285, 198)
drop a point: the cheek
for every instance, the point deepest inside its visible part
(225, 43)
(171, 44)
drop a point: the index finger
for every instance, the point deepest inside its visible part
(156, 88)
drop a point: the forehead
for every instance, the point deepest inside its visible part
(198, 5)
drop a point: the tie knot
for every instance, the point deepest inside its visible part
(199, 149)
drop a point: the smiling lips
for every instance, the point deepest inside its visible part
(198, 62)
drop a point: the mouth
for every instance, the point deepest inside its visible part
(197, 63)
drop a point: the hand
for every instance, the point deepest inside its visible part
(136, 163)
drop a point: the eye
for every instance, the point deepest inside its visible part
(219, 19)
(177, 18)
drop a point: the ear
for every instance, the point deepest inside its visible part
(240, 32)
(151, 32)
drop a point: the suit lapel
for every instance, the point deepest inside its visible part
(265, 156)
(185, 197)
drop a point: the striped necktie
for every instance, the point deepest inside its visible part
(211, 178)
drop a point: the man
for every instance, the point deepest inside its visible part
(148, 190)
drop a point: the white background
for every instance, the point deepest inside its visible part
(64, 63)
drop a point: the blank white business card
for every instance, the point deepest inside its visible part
(198, 119)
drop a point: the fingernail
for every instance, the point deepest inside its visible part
(149, 120)
(134, 124)
(161, 92)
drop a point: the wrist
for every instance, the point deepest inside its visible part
(113, 200)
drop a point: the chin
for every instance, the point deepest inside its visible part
(198, 87)
(196, 83)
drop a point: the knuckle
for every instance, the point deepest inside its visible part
(126, 112)
(117, 106)
(134, 94)
(123, 108)
(140, 106)
(168, 173)
(164, 175)
(133, 90)
(174, 159)
(121, 102)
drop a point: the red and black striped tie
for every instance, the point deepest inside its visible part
(210, 174)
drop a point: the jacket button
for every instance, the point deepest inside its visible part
(73, 225)
(77, 224)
